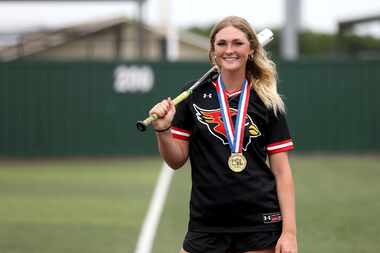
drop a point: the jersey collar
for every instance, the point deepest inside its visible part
(228, 93)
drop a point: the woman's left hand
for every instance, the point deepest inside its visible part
(287, 243)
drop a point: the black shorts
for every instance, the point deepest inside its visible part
(202, 242)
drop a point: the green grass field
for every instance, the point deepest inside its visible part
(98, 206)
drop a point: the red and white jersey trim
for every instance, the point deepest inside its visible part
(281, 146)
(180, 133)
(230, 93)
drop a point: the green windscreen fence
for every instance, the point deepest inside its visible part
(50, 109)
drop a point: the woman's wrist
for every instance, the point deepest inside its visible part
(289, 231)
(162, 130)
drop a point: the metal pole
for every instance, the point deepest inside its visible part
(140, 35)
(289, 36)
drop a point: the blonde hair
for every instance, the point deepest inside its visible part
(260, 70)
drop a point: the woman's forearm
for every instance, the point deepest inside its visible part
(285, 190)
(286, 196)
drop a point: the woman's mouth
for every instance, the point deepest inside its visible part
(230, 58)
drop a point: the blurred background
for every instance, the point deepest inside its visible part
(75, 76)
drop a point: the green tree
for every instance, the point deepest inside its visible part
(318, 45)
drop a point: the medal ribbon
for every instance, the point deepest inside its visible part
(235, 134)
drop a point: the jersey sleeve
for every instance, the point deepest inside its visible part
(279, 139)
(181, 124)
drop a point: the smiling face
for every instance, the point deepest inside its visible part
(231, 49)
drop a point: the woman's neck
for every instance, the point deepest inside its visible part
(233, 81)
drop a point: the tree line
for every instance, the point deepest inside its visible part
(320, 45)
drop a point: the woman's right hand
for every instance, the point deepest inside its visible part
(165, 111)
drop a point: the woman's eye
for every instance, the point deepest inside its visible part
(220, 43)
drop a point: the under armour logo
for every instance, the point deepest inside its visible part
(271, 217)
(207, 95)
(267, 218)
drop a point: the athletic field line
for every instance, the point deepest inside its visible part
(152, 218)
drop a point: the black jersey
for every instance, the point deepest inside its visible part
(223, 200)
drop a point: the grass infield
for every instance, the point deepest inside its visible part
(98, 206)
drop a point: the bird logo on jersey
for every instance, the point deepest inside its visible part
(214, 122)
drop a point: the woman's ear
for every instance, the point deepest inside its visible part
(213, 56)
(250, 56)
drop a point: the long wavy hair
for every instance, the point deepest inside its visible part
(260, 70)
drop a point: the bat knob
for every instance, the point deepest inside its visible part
(140, 126)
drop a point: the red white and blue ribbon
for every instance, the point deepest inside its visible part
(235, 135)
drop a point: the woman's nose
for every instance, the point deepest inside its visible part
(229, 48)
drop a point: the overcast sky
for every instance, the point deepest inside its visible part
(320, 15)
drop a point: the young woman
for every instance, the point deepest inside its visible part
(230, 127)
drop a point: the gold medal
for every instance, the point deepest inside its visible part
(235, 135)
(237, 162)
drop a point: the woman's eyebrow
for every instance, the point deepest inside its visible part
(236, 39)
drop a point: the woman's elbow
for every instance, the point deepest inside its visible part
(175, 165)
